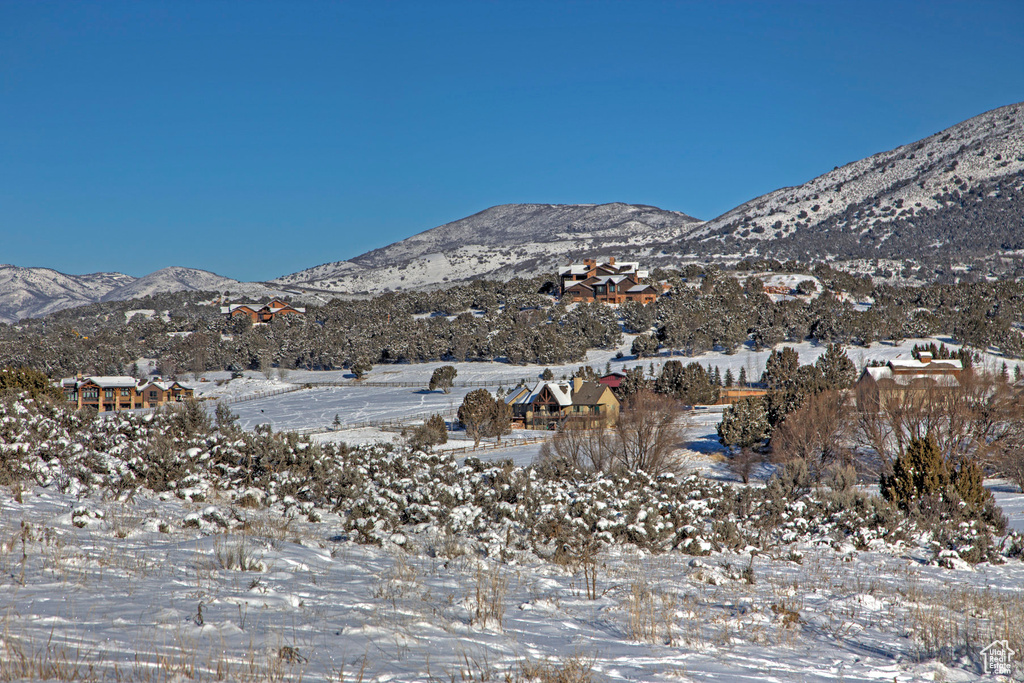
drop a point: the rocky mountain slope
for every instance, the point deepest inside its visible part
(30, 292)
(958, 194)
(35, 292)
(501, 242)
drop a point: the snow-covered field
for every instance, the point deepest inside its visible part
(128, 589)
(315, 408)
(116, 590)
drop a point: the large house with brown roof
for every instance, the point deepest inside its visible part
(113, 393)
(880, 384)
(608, 281)
(549, 404)
(262, 313)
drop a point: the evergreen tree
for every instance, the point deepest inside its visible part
(729, 381)
(780, 367)
(742, 379)
(360, 367)
(644, 345)
(433, 432)
(443, 378)
(837, 370)
(744, 424)
(920, 471)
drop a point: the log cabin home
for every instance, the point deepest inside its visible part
(113, 393)
(609, 282)
(262, 313)
(551, 404)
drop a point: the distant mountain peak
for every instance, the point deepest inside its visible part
(501, 241)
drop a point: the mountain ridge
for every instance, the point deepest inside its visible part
(500, 241)
(34, 292)
(955, 198)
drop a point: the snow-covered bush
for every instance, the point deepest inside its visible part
(383, 493)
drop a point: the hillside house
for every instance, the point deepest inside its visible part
(613, 380)
(608, 281)
(549, 404)
(878, 385)
(112, 393)
(262, 313)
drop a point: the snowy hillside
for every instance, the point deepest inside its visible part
(178, 279)
(32, 292)
(35, 292)
(958, 191)
(501, 242)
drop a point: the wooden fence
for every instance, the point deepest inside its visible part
(258, 395)
(503, 444)
(497, 382)
(391, 422)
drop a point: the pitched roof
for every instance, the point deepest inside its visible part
(906, 378)
(934, 365)
(636, 289)
(589, 394)
(560, 391)
(517, 394)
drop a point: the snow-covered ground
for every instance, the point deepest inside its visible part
(311, 408)
(100, 589)
(315, 408)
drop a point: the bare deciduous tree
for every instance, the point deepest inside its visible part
(816, 433)
(649, 430)
(978, 419)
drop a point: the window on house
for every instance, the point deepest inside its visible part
(108, 393)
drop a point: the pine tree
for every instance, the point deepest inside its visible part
(744, 424)
(729, 381)
(920, 471)
(837, 369)
(742, 380)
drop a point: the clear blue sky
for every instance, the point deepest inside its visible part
(255, 139)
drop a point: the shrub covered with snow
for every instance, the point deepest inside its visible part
(382, 492)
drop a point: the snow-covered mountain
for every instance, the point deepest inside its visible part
(501, 242)
(31, 292)
(178, 279)
(957, 194)
(35, 292)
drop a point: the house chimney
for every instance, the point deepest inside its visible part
(611, 260)
(589, 262)
(925, 357)
(577, 384)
